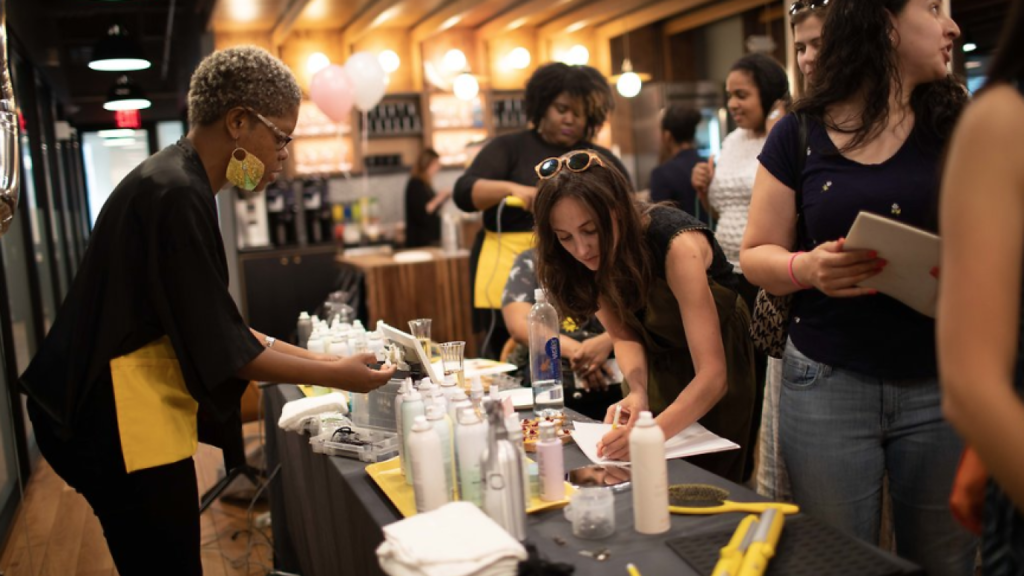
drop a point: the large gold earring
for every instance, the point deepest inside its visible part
(245, 170)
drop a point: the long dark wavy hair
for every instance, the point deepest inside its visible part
(582, 82)
(625, 270)
(1007, 64)
(858, 59)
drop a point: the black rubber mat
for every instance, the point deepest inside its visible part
(807, 548)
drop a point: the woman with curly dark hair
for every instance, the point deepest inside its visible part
(664, 290)
(980, 325)
(860, 396)
(566, 106)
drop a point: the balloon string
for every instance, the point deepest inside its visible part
(366, 150)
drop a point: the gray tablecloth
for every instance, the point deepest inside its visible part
(327, 514)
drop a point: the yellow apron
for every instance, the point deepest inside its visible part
(156, 415)
(495, 263)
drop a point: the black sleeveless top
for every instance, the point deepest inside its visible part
(669, 364)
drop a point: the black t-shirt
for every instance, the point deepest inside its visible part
(671, 182)
(874, 335)
(512, 158)
(155, 266)
(421, 227)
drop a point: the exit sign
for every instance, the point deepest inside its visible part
(128, 119)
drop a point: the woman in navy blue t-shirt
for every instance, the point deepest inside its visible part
(860, 397)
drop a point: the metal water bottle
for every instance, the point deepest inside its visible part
(502, 471)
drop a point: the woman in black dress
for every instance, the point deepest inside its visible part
(422, 222)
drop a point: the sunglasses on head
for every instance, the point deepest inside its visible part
(573, 162)
(801, 5)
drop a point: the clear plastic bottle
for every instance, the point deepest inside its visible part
(545, 357)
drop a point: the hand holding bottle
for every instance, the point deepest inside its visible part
(354, 374)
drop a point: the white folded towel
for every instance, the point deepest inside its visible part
(295, 413)
(457, 539)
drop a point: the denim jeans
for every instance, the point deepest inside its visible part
(842, 431)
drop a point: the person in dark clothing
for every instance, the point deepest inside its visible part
(663, 289)
(860, 406)
(422, 222)
(149, 336)
(566, 106)
(671, 181)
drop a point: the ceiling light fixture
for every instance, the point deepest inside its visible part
(578, 55)
(118, 52)
(970, 47)
(126, 95)
(316, 62)
(454, 60)
(450, 22)
(389, 61)
(629, 83)
(116, 133)
(519, 58)
(465, 86)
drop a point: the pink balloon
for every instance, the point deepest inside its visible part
(332, 92)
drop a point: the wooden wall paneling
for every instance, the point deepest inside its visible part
(398, 40)
(296, 50)
(502, 75)
(708, 13)
(223, 40)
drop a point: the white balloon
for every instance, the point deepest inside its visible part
(368, 78)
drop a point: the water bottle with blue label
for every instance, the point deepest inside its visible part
(545, 357)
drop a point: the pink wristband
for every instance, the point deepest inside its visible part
(793, 276)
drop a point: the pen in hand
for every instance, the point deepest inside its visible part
(618, 414)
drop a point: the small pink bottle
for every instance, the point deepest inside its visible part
(551, 462)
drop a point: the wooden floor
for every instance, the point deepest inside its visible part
(56, 533)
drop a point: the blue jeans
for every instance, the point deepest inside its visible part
(842, 431)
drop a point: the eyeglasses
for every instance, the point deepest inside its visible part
(573, 161)
(282, 138)
(800, 5)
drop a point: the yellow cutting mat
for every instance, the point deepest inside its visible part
(388, 475)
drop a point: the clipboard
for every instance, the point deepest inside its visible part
(912, 253)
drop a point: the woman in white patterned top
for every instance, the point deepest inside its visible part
(758, 90)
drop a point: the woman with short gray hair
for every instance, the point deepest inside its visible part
(149, 335)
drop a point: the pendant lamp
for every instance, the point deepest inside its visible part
(118, 52)
(126, 95)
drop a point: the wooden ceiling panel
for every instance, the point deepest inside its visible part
(525, 14)
(588, 15)
(247, 15)
(329, 14)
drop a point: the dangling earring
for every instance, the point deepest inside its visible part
(245, 170)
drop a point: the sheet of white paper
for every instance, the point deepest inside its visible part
(911, 253)
(692, 441)
(478, 367)
(522, 398)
